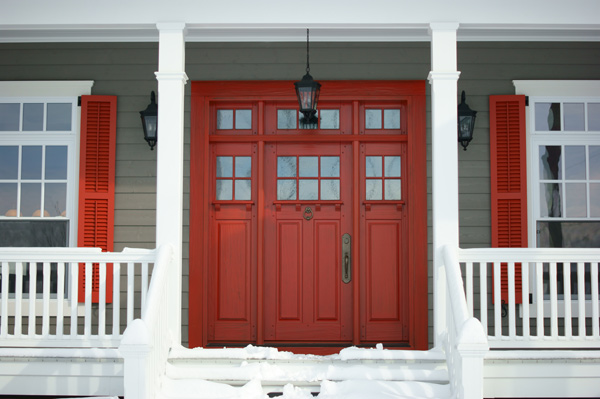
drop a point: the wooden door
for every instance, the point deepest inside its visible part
(308, 284)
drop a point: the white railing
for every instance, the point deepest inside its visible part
(40, 303)
(559, 303)
(464, 342)
(148, 340)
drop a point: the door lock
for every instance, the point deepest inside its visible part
(346, 258)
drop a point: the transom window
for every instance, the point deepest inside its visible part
(289, 119)
(230, 119)
(308, 178)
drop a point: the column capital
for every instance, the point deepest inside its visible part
(438, 76)
(176, 76)
(443, 26)
(178, 26)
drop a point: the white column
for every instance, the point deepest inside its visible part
(444, 155)
(171, 78)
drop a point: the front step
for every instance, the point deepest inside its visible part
(255, 372)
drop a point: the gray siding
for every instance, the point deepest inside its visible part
(127, 70)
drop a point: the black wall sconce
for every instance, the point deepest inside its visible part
(150, 122)
(308, 92)
(466, 122)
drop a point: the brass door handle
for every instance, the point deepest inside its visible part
(346, 258)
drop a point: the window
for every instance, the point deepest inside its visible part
(308, 178)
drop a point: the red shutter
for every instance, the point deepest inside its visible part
(97, 184)
(508, 181)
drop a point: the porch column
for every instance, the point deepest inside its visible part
(444, 156)
(171, 78)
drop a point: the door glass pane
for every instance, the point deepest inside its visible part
(59, 117)
(550, 165)
(330, 189)
(374, 189)
(224, 190)
(243, 119)
(224, 119)
(330, 119)
(373, 166)
(56, 162)
(330, 166)
(309, 167)
(594, 117)
(9, 117)
(393, 190)
(9, 162)
(392, 166)
(373, 119)
(243, 166)
(574, 117)
(224, 166)
(286, 118)
(575, 162)
(8, 199)
(286, 166)
(576, 200)
(309, 189)
(31, 162)
(286, 190)
(243, 190)
(55, 199)
(594, 162)
(33, 117)
(391, 119)
(595, 200)
(31, 199)
(550, 200)
(547, 117)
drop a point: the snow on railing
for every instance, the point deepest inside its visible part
(40, 301)
(147, 341)
(559, 302)
(465, 343)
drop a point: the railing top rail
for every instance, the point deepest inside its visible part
(455, 286)
(61, 254)
(529, 255)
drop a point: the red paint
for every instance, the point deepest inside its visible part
(97, 184)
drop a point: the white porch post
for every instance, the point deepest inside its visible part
(444, 155)
(171, 78)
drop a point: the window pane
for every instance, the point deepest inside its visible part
(576, 200)
(286, 190)
(373, 119)
(330, 119)
(225, 119)
(574, 162)
(286, 118)
(31, 199)
(392, 166)
(547, 117)
(373, 166)
(595, 200)
(550, 167)
(33, 117)
(309, 167)
(9, 162)
(56, 162)
(9, 117)
(224, 166)
(574, 116)
(568, 234)
(550, 200)
(31, 162)
(33, 233)
(309, 189)
(330, 189)
(391, 119)
(594, 162)
(8, 199)
(224, 190)
(243, 119)
(55, 199)
(393, 190)
(243, 190)
(59, 117)
(286, 166)
(330, 166)
(243, 166)
(374, 189)
(594, 117)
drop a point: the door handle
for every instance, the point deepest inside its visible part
(346, 258)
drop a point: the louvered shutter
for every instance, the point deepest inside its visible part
(508, 181)
(97, 184)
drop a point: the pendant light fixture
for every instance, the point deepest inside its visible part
(307, 91)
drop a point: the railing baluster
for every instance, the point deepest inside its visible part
(144, 285)
(18, 299)
(46, 299)
(73, 283)
(581, 298)
(469, 282)
(116, 328)
(497, 302)
(594, 300)
(539, 298)
(525, 298)
(130, 291)
(512, 325)
(87, 329)
(102, 300)
(4, 316)
(567, 299)
(553, 301)
(483, 265)
(32, 298)
(60, 298)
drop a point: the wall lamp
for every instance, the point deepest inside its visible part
(466, 122)
(308, 92)
(150, 122)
